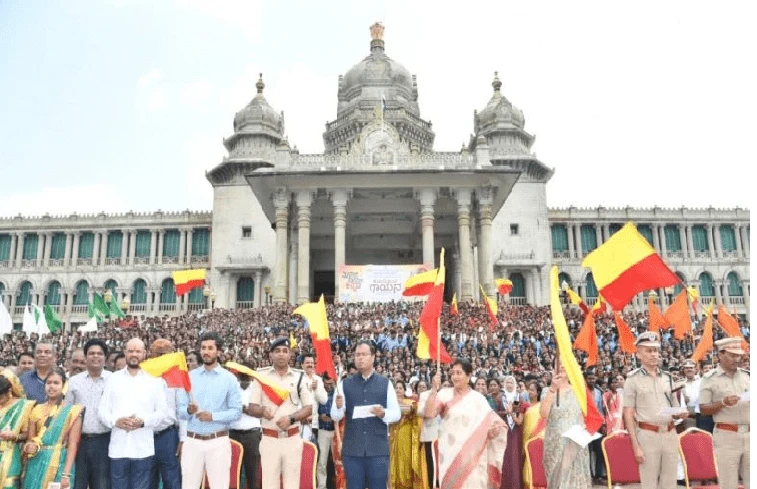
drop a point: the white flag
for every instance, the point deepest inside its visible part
(30, 326)
(91, 326)
(6, 323)
(39, 319)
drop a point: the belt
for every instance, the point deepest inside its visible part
(655, 428)
(163, 432)
(736, 428)
(251, 430)
(209, 436)
(88, 436)
(293, 431)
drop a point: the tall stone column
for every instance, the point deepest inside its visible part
(96, 249)
(69, 248)
(579, 245)
(571, 247)
(737, 233)
(48, 249)
(486, 268)
(663, 242)
(75, 249)
(40, 248)
(427, 198)
(124, 246)
(339, 199)
(132, 246)
(182, 246)
(153, 245)
(685, 249)
(598, 232)
(656, 238)
(161, 240)
(12, 253)
(190, 236)
(718, 296)
(20, 239)
(463, 196)
(304, 200)
(690, 240)
(281, 202)
(745, 289)
(710, 241)
(292, 264)
(258, 288)
(726, 294)
(718, 242)
(744, 240)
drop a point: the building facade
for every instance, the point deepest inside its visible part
(283, 223)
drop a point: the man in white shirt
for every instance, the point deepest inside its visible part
(133, 406)
(429, 434)
(246, 430)
(691, 393)
(314, 383)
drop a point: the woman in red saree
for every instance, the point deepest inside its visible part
(472, 437)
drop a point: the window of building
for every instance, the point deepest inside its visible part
(246, 232)
(513, 229)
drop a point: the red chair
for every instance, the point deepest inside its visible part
(619, 459)
(535, 461)
(698, 457)
(237, 450)
(308, 465)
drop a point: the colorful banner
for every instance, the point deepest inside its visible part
(376, 283)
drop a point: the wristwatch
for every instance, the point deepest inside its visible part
(292, 420)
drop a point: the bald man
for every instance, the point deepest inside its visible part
(133, 406)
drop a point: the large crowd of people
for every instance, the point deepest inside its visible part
(511, 365)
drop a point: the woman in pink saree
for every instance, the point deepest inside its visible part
(472, 438)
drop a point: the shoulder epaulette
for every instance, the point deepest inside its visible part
(633, 372)
(709, 374)
(744, 370)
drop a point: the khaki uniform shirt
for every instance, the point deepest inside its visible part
(716, 385)
(648, 395)
(291, 405)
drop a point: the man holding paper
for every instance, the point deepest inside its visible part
(725, 395)
(369, 403)
(650, 406)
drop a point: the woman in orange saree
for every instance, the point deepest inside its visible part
(472, 437)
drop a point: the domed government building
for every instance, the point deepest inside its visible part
(354, 222)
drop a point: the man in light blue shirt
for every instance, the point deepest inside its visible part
(215, 403)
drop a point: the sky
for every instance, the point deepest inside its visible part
(118, 105)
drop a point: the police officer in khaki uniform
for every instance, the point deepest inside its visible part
(281, 444)
(721, 391)
(646, 392)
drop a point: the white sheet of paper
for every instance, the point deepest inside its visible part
(578, 434)
(670, 411)
(744, 397)
(363, 411)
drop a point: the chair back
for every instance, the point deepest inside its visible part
(619, 459)
(698, 455)
(237, 450)
(308, 466)
(535, 461)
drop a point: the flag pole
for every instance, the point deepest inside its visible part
(438, 344)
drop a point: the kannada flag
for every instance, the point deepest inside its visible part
(592, 418)
(273, 391)
(453, 305)
(315, 314)
(420, 284)
(172, 367)
(586, 340)
(429, 344)
(576, 300)
(491, 307)
(186, 280)
(693, 298)
(504, 286)
(625, 265)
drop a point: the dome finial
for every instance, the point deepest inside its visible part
(496, 83)
(260, 85)
(377, 36)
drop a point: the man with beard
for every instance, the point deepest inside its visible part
(216, 403)
(86, 389)
(133, 406)
(281, 445)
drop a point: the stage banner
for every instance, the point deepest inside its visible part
(376, 283)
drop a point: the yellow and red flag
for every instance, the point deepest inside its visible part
(678, 315)
(599, 307)
(576, 300)
(705, 343)
(429, 344)
(504, 286)
(273, 391)
(625, 265)
(453, 305)
(586, 340)
(172, 367)
(656, 320)
(693, 298)
(491, 307)
(420, 283)
(318, 323)
(592, 418)
(625, 335)
(186, 280)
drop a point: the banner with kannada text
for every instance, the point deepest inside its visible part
(376, 283)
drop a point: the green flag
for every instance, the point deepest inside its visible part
(100, 306)
(115, 310)
(92, 312)
(54, 321)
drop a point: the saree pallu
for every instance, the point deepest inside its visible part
(533, 424)
(15, 418)
(407, 456)
(468, 459)
(340, 480)
(47, 465)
